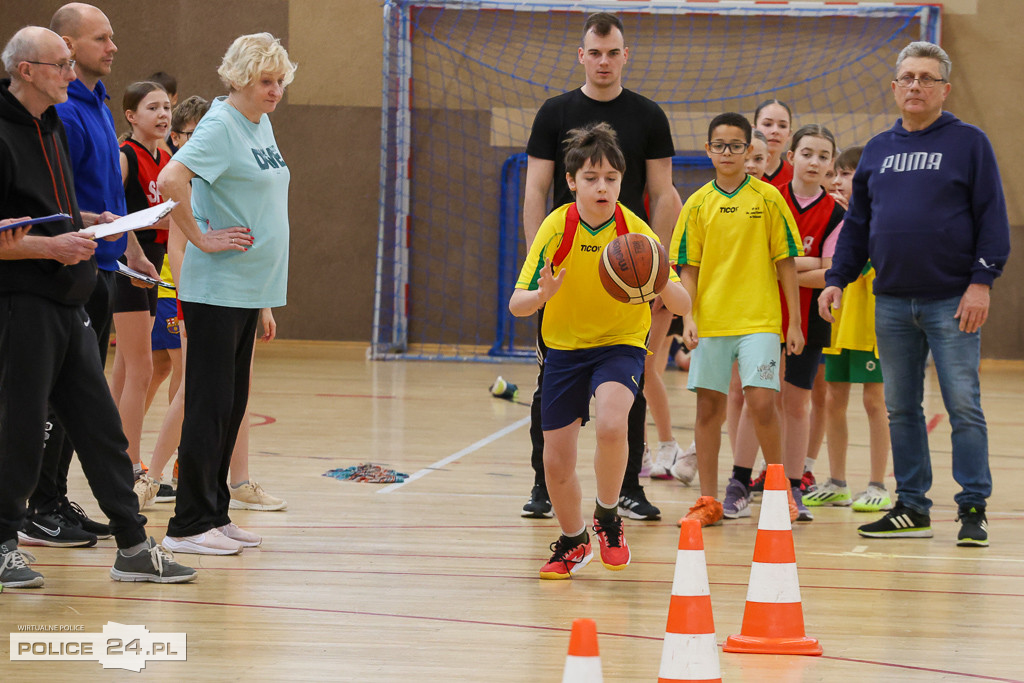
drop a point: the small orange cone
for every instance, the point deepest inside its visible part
(773, 621)
(583, 664)
(690, 652)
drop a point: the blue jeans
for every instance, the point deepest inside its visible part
(906, 329)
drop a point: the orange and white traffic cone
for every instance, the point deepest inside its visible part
(583, 664)
(690, 652)
(773, 621)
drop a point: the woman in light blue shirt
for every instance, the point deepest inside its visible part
(231, 183)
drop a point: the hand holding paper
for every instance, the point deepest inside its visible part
(133, 221)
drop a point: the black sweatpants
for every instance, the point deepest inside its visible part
(48, 357)
(635, 425)
(220, 341)
(53, 479)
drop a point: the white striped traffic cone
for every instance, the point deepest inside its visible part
(690, 652)
(773, 621)
(583, 663)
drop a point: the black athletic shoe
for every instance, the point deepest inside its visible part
(74, 513)
(973, 527)
(900, 522)
(54, 530)
(539, 505)
(166, 494)
(633, 503)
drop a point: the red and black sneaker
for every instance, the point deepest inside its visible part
(567, 558)
(614, 551)
(757, 484)
(808, 482)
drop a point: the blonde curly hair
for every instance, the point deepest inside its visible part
(252, 55)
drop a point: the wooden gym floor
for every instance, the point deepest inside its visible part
(436, 580)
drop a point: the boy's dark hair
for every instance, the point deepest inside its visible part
(815, 130)
(191, 109)
(760, 136)
(602, 23)
(849, 158)
(169, 82)
(757, 112)
(731, 118)
(596, 142)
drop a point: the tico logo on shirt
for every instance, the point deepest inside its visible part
(268, 158)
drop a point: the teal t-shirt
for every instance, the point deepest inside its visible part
(241, 180)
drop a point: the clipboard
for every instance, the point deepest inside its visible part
(133, 221)
(122, 269)
(36, 221)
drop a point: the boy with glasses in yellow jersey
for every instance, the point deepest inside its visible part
(734, 238)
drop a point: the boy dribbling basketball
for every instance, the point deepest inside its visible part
(596, 345)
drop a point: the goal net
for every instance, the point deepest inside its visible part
(463, 79)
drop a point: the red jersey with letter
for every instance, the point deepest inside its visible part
(816, 221)
(140, 188)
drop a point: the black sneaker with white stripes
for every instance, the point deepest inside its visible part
(900, 522)
(633, 504)
(973, 527)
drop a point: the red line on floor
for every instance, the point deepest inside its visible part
(267, 420)
(934, 422)
(476, 622)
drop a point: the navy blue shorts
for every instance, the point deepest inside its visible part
(165, 326)
(572, 377)
(801, 370)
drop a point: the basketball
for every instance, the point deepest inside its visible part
(633, 268)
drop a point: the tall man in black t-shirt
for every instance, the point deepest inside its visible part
(646, 142)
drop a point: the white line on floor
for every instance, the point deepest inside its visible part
(455, 456)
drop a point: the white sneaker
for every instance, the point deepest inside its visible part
(665, 458)
(647, 463)
(251, 496)
(146, 490)
(247, 538)
(685, 467)
(212, 542)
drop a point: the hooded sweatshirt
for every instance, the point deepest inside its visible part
(928, 210)
(96, 158)
(36, 181)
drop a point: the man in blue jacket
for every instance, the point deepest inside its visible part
(928, 210)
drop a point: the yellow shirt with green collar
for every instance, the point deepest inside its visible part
(854, 328)
(735, 239)
(581, 314)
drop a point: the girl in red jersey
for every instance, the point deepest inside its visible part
(774, 118)
(147, 108)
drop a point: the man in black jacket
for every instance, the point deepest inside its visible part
(47, 346)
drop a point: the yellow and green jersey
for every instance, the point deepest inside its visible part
(735, 239)
(582, 315)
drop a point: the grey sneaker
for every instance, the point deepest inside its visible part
(152, 563)
(14, 571)
(737, 500)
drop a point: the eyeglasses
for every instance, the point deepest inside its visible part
(185, 133)
(907, 80)
(65, 67)
(734, 147)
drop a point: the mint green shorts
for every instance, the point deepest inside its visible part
(757, 355)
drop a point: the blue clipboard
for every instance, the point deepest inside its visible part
(34, 221)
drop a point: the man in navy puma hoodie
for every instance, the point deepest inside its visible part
(928, 210)
(47, 347)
